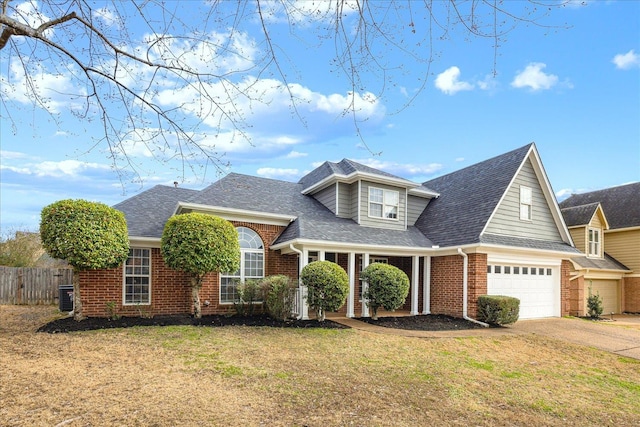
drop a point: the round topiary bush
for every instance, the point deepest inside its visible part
(388, 287)
(327, 284)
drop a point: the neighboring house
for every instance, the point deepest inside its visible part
(605, 226)
(491, 228)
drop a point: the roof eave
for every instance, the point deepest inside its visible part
(234, 214)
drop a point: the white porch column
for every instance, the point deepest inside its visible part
(426, 286)
(321, 255)
(351, 301)
(365, 285)
(304, 307)
(415, 277)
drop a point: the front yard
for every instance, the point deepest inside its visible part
(195, 376)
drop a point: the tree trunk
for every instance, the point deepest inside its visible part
(77, 302)
(196, 284)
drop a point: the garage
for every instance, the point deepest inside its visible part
(536, 286)
(609, 291)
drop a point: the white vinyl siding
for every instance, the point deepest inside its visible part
(506, 220)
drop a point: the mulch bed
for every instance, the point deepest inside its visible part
(428, 322)
(68, 324)
(417, 323)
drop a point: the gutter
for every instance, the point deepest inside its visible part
(465, 289)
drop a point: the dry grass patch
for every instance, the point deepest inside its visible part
(185, 375)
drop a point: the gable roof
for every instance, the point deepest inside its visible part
(147, 212)
(348, 171)
(313, 221)
(579, 215)
(470, 196)
(621, 204)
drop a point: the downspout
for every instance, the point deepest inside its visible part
(465, 289)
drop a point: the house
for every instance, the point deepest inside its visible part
(492, 228)
(605, 226)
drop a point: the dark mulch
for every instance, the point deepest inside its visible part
(427, 322)
(68, 324)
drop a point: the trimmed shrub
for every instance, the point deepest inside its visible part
(279, 295)
(498, 309)
(594, 305)
(249, 294)
(388, 287)
(328, 286)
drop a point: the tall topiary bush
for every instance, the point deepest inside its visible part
(88, 235)
(279, 295)
(388, 287)
(327, 284)
(199, 244)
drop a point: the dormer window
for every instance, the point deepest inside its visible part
(594, 242)
(383, 203)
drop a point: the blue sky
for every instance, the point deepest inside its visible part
(571, 84)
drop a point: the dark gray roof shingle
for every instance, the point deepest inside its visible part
(606, 263)
(468, 198)
(314, 221)
(621, 205)
(519, 242)
(147, 212)
(579, 215)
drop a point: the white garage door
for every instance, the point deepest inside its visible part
(537, 288)
(608, 291)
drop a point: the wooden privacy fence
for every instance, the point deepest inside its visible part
(22, 285)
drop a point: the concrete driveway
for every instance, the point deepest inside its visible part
(620, 336)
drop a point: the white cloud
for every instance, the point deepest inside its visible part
(459, 159)
(278, 173)
(296, 155)
(534, 78)
(627, 61)
(564, 193)
(448, 82)
(6, 155)
(108, 17)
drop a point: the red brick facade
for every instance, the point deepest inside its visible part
(170, 289)
(631, 286)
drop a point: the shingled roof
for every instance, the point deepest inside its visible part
(147, 212)
(621, 205)
(579, 215)
(313, 220)
(469, 197)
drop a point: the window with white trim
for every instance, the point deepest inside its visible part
(137, 277)
(251, 265)
(526, 203)
(383, 203)
(594, 242)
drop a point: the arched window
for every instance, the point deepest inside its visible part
(251, 264)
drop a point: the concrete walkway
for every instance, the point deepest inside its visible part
(621, 336)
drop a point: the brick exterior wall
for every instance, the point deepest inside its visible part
(170, 289)
(631, 286)
(565, 274)
(447, 284)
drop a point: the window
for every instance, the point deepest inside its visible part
(488, 268)
(526, 202)
(516, 270)
(507, 269)
(497, 269)
(594, 242)
(525, 270)
(137, 277)
(383, 203)
(251, 264)
(548, 272)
